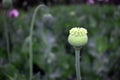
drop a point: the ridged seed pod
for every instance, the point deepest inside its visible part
(78, 37)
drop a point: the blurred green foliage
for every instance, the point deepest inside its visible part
(53, 56)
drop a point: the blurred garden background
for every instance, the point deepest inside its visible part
(53, 57)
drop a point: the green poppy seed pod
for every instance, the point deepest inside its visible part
(48, 20)
(78, 37)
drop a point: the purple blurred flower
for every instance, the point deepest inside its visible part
(106, 0)
(14, 13)
(90, 1)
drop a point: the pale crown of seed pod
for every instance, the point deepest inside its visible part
(78, 36)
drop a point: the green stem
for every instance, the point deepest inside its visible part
(6, 36)
(77, 63)
(30, 46)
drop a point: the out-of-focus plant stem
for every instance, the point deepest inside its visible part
(6, 36)
(30, 46)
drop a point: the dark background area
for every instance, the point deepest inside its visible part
(26, 3)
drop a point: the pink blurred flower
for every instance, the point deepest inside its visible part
(14, 13)
(90, 1)
(106, 0)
